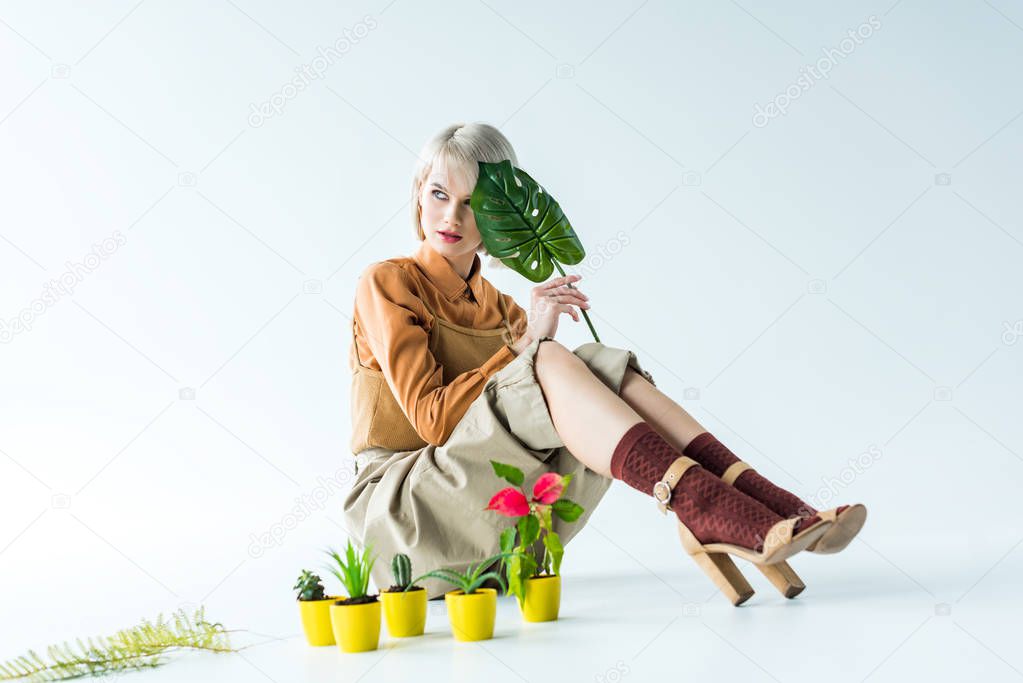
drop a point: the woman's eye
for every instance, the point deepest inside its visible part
(439, 195)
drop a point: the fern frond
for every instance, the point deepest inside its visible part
(142, 646)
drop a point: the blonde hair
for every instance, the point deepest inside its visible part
(461, 146)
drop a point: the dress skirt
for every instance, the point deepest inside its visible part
(429, 503)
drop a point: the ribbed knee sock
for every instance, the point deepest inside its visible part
(716, 457)
(713, 510)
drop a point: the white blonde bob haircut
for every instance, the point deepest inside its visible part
(461, 146)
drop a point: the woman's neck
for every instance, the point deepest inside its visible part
(462, 264)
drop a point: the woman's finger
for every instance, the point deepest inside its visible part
(575, 295)
(570, 293)
(558, 281)
(565, 289)
(569, 299)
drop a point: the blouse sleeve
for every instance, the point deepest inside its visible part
(388, 313)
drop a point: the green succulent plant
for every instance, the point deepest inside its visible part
(472, 578)
(353, 570)
(309, 586)
(522, 225)
(401, 569)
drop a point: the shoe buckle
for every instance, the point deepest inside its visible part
(662, 494)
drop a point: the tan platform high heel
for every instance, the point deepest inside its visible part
(846, 520)
(713, 558)
(781, 575)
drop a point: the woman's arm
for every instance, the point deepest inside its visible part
(387, 312)
(518, 320)
(521, 343)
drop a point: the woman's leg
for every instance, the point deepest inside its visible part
(590, 428)
(611, 438)
(679, 428)
(676, 425)
(682, 431)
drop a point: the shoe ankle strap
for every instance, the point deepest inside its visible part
(734, 470)
(663, 488)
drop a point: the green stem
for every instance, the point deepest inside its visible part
(592, 331)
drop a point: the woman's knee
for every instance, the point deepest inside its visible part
(553, 351)
(549, 349)
(554, 359)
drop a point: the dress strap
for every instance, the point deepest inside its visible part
(500, 305)
(504, 317)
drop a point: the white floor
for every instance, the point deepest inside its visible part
(861, 618)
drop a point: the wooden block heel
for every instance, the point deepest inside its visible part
(783, 577)
(715, 558)
(719, 567)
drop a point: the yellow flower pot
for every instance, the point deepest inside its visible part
(543, 598)
(472, 616)
(356, 627)
(316, 621)
(405, 612)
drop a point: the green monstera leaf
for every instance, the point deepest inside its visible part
(522, 225)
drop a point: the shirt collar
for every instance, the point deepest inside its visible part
(444, 277)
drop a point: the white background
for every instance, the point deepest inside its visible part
(844, 280)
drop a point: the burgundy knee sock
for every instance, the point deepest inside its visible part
(713, 510)
(715, 456)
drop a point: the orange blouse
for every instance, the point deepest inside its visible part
(391, 327)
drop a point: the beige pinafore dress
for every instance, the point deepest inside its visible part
(428, 501)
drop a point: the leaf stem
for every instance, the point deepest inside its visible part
(588, 323)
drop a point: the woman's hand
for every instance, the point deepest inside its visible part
(549, 300)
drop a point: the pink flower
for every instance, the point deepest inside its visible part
(548, 488)
(509, 502)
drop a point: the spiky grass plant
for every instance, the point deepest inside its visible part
(144, 646)
(353, 571)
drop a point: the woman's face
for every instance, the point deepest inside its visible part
(444, 209)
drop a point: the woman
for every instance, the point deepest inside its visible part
(448, 373)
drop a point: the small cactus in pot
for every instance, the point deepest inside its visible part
(401, 569)
(309, 586)
(314, 609)
(404, 602)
